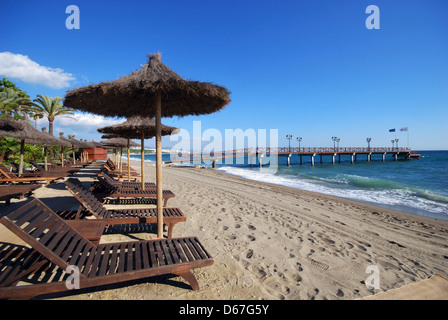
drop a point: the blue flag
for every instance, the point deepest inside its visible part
(391, 130)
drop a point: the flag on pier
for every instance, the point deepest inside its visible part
(391, 130)
(404, 129)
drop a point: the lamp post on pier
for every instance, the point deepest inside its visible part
(368, 143)
(392, 144)
(299, 139)
(334, 142)
(396, 143)
(289, 137)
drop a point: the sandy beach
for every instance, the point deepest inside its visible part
(274, 242)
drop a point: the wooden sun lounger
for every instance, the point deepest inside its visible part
(54, 170)
(8, 176)
(67, 164)
(55, 246)
(127, 184)
(123, 175)
(114, 167)
(7, 192)
(103, 189)
(171, 216)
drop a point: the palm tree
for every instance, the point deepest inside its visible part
(51, 108)
(13, 104)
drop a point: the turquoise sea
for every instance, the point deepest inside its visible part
(413, 186)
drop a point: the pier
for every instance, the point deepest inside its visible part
(355, 154)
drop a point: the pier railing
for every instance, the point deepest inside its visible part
(283, 151)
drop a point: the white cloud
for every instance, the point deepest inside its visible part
(22, 67)
(85, 124)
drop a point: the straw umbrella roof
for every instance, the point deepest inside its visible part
(10, 125)
(52, 141)
(76, 143)
(119, 142)
(137, 92)
(29, 134)
(96, 144)
(134, 127)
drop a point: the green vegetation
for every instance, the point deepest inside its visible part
(16, 104)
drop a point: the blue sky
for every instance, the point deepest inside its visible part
(307, 68)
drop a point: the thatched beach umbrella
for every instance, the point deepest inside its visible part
(152, 91)
(50, 143)
(27, 135)
(138, 128)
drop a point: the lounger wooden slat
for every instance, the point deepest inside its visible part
(56, 242)
(159, 254)
(166, 253)
(96, 261)
(173, 251)
(88, 264)
(186, 250)
(152, 254)
(145, 256)
(114, 258)
(65, 242)
(71, 248)
(27, 216)
(179, 250)
(105, 260)
(130, 256)
(138, 257)
(76, 253)
(122, 259)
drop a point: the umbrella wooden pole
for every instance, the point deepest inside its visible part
(62, 156)
(121, 159)
(129, 163)
(22, 151)
(158, 117)
(143, 160)
(45, 157)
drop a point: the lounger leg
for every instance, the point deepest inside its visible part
(190, 278)
(170, 230)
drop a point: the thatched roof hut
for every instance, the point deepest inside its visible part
(135, 94)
